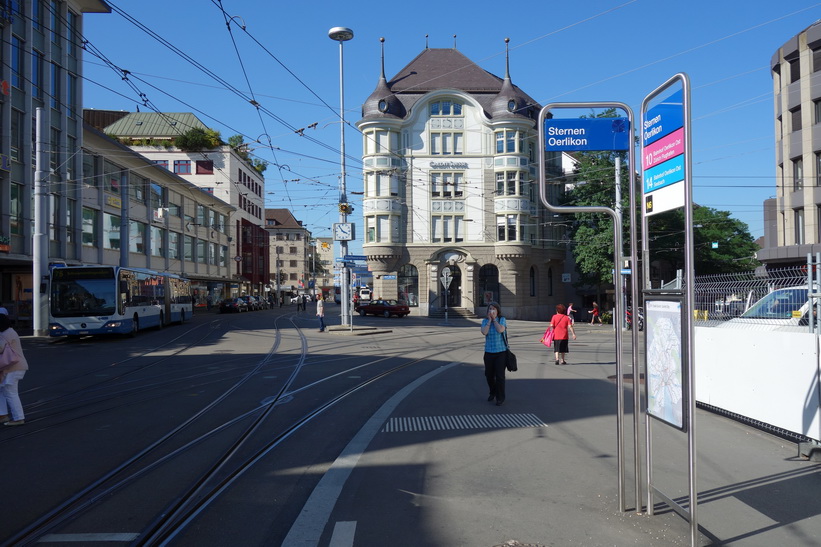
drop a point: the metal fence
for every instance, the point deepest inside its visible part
(721, 297)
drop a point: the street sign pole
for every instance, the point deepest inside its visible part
(446, 279)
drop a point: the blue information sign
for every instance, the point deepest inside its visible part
(663, 119)
(355, 257)
(575, 134)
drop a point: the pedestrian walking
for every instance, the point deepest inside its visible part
(561, 325)
(320, 312)
(11, 375)
(596, 314)
(571, 313)
(495, 352)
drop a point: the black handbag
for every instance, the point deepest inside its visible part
(510, 358)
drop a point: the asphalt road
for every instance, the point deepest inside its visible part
(255, 429)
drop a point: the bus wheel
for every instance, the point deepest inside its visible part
(135, 326)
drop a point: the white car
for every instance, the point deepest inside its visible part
(782, 309)
(294, 299)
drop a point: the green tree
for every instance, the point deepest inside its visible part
(198, 139)
(721, 244)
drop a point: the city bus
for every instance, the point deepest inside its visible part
(115, 300)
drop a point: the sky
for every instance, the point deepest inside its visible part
(268, 71)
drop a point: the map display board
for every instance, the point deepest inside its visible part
(665, 354)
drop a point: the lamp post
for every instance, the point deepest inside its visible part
(341, 35)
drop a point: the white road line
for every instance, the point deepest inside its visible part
(86, 538)
(343, 534)
(307, 529)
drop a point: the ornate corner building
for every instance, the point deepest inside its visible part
(450, 163)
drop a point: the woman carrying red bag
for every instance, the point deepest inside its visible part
(561, 324)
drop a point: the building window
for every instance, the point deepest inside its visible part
(157, 243)
(212, 254)
(795, 70)
(507, 183)
(111, 231)
(161, 163)
(407, 282)
(506, 228)
(816, 60)
(55, 86)
(37, 14)
(818, 171)
(188, 248)
(71, 32)
(16, 134)
(798, 218)
(37, 64)
(446, 108)
(89, 173)
(292, 250)
(509, 142)
(446, 184)
(447, 228)
(16, 209)
(381, 183)
(201, 258)
(795, 118)
(112, 177)
(532, 281)
(174, 245)
(205, 167)
(16, 63)
(446, 144)
(489, 284)
(798, 174)
(136, 237)
(71, 95)
(182, 167)
(223, 259)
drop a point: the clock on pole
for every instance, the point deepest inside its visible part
(343, 231)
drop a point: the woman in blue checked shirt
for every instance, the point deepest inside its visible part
(492, 327)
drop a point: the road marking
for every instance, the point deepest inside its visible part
(470, 421)
(307, 529)
(343, 534)
(84, 538)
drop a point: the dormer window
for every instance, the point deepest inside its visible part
(511, 106)
(383, 105)
(446, 108)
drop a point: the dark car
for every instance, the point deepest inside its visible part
(385, 308)
(233, 305)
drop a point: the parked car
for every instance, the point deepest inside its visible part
(233, 305)
(252, 302)
(385, 308)
(782, 309)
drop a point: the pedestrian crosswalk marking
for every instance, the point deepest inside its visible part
(468, 421)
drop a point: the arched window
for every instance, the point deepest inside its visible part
(532, 281)
(489, 284)
(408, 284)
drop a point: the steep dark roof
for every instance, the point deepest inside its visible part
(435, 69)
(283, 218)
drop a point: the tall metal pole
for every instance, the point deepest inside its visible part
(39, 294)
(342, 34)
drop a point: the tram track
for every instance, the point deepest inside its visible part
(229, 466)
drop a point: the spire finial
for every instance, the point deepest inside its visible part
(454, 41)
(426, 41)
(382, 45)
(507, 58)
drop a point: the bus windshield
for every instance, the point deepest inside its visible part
(73, 297)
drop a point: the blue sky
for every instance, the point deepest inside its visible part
(596, 50)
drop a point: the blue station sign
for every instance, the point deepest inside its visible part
(579, 134)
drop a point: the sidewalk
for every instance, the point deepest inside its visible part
(447, 468)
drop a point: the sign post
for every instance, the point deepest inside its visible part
(446, 279)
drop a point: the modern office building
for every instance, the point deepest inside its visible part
(450, 159)
(219, 170)
(793, 217)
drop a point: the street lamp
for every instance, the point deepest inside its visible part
(341, 35)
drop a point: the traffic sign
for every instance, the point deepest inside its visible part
(446, 279)
(571, 134)
(355, 257)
